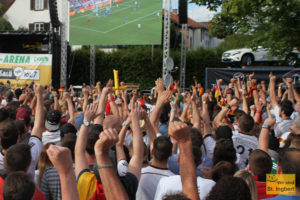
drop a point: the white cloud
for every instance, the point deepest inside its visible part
(201, 14)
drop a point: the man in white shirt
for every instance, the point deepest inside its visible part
(172, 185)
(150, 176)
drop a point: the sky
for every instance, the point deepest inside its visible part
(197, 13)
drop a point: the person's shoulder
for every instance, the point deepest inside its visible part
(170, 179)
(205, 180)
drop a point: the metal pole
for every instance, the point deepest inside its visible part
(166, 40)
(64, 45)
(183, 56)
(92, 64)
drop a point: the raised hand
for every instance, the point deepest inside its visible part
(90, 112)
(38, 89)
(108, 138)
(179, 131)
(61, 158)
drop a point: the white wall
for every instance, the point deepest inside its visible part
(20, 15)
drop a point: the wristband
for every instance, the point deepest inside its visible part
(258, 111)
(105, 166)
(111, 99)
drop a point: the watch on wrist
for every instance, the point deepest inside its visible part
(125, 124)
(228, 106)
(266, 126)
(86, 123)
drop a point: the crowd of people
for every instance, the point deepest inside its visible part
(217, 144)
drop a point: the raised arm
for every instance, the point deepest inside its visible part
(205, 116)
(272, 90)
(39, 120)
(196, 113)
(218, 119)
(289, 82)
(236, 88)
(62, 160)
(136, 161)
(55, 98)
(244, 97)
(163, 98)
(71, 108)
(113, 188)
(85, 93)
(120, 144)
(181, 133)
(101, 107)
(81, 162)
(263, 141)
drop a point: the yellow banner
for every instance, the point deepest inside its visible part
(22, 69)
(280, 184)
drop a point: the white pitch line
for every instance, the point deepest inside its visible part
(88, 29)
(129, 22)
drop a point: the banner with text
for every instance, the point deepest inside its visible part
(21, 69)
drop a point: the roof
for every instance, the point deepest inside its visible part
(7, 4)
(206, 24)
(191, 23)
(24, 33)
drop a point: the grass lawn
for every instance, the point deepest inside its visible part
(120, 27)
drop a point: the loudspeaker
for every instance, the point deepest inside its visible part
(183, 19)
(53, 13)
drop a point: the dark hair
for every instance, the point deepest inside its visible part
(164, 116)
(292, 139)
(162, 148)
(223, 168)
(178, 196)
(260, 163)
(287, 107)
(18, 93)
(3, 114)
(20, 124)
(17, 158)
(230, 188)
(224, 151)
(197, 142)
(69, 141)
(8, 133)
(246, 123)
(289, 161)
(93, 136)
(223, 132)
(67, 128)
(18, 186)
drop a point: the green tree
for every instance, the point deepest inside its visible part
(4, 23)
(273, 24)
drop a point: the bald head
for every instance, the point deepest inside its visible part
(112, 121)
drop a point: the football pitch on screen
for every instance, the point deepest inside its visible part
(130, 22)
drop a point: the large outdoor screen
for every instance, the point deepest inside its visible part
(115, 22)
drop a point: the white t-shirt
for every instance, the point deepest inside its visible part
(210, 144)
(36, 148)
(150, 177)
(1, 161)
(244, 145)
(172, 185)
(51, 137)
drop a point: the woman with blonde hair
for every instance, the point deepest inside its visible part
(248, 178)
(43, 164)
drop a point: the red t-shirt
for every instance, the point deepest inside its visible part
(261, 191)
(38, 195)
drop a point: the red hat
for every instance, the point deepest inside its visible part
(23, 114)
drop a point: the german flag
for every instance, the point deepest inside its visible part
(217, 92)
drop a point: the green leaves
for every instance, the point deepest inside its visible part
(273, 24)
